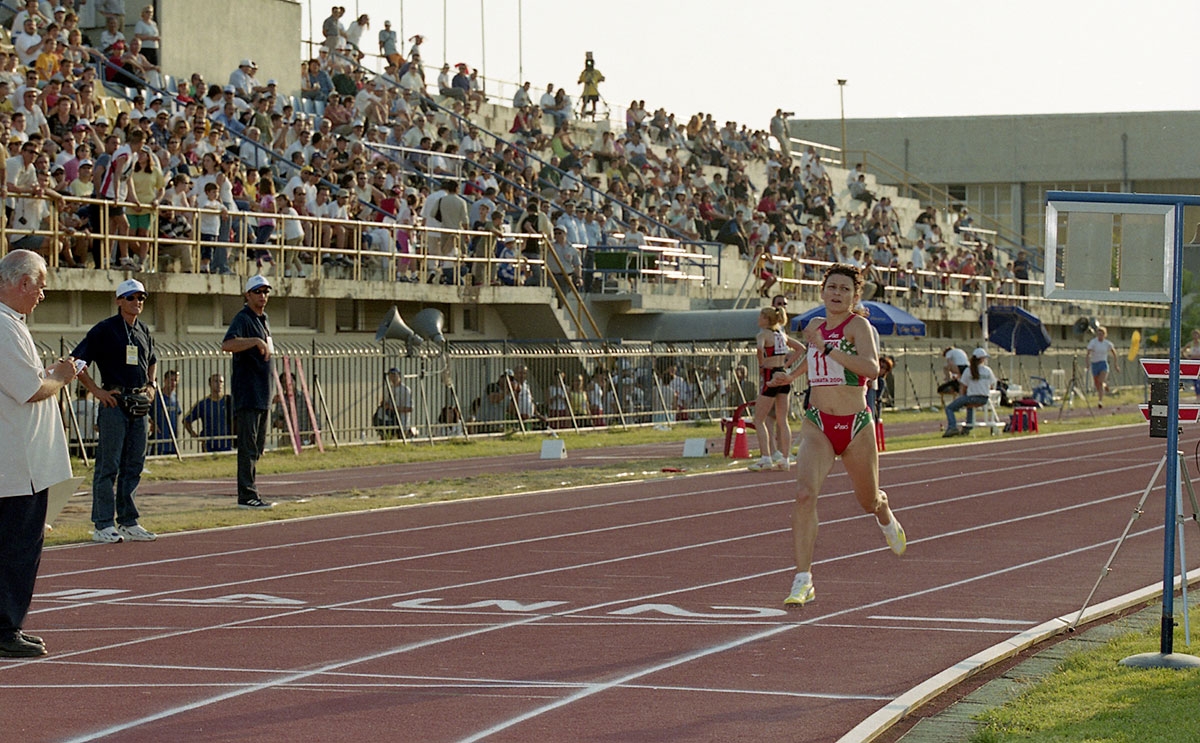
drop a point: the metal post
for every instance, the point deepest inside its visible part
(842, 101)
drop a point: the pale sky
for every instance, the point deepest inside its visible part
(742, 60)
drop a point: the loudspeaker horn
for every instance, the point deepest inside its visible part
(393, 326)
(1085, 325)
(429, 323)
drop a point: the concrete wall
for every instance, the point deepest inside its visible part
(1024, 149)
(212, 36)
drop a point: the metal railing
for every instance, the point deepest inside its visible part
(492, 389)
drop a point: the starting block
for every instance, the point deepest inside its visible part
(554, 449)
(695, 448)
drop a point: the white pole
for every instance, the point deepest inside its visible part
(482, 41)
(445, 53)
(520, 43)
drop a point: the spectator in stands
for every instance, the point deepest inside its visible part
(111, 35)
(146, 31)
(521, 99)
(148, 187)
(354, 34)
(733, 232)
(244, 84)
(461, 83)
(62, 122)
(112, 10)
(332, 30)
(139, 70)
(446, 87)
(590, 79)
(961, 221)
(28, 43)
(1020, 269)
(859, 192)
(30, 11)
(569, 264)
(388, 48)
(35, 120)
(315, 83)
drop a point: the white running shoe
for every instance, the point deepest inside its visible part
(107, 536)
(895, 536)
(136, 533)
(763, 464)
(802, 592)
(778, 461)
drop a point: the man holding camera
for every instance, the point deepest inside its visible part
(123, 351)
(779, 130)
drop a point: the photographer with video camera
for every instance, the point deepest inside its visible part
(123, 351)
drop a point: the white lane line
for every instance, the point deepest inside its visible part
(468, 686)
(953, 620)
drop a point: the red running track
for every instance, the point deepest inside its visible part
(632, 612)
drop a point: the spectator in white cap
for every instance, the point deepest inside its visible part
(249, 340)
(123, 350)
(978, 380)
(244, 84)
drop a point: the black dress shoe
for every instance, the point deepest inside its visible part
(17, 647)
(32, 638)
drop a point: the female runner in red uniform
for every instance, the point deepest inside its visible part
(841, 358)
(775, 351)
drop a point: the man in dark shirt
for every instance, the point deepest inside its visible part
(249, 340)
(123, 351)
(215, 416)
(1021, 272)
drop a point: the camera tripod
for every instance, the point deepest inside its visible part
(1186, 481)
(1073, 389)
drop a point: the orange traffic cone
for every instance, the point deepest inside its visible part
(741, 445)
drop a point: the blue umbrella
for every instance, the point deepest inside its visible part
(1017, 330)
(888, 320)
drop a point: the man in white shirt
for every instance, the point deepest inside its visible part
(28, 43)
(521, 98)
(33, 446)
(30, 11)
(303, 145)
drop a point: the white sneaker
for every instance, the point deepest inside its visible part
(763, 464)
(107, 536)
(136, 533)
(802, 592)
(778, 461)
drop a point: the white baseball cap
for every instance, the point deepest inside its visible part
(129, 286)
(980, 353)
(255, 282)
